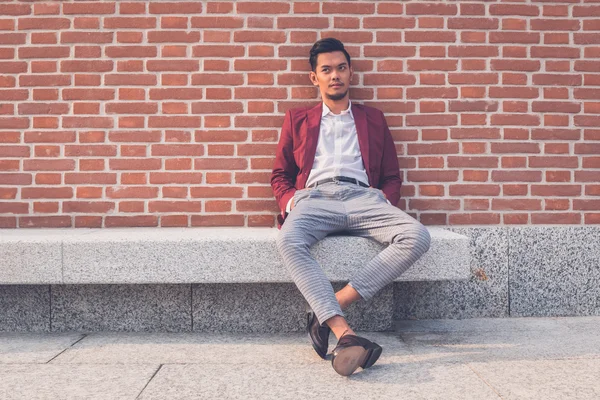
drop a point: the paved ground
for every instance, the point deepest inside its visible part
(516, 358)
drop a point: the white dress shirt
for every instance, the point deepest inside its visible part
(338, 152)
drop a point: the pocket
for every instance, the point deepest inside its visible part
(379, 194)
(299, 195)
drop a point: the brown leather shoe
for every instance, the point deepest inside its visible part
(352, 352)
(318, 334)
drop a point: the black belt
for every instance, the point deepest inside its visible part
(337, 179)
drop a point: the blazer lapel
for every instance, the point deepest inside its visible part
(360, 120)
(312, 135)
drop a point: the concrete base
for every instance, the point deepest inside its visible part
(515, 272)
(197, 255)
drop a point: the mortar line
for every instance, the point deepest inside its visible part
(508, 268)
(149, 380)
(73, 344)
(50, 307)
(484, 381)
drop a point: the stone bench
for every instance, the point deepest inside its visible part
(197, 255)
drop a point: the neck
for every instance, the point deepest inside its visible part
(337, 106)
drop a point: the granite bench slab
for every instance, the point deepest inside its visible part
(197, 255)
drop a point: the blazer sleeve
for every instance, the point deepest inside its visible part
(390, 180)
(285, 170)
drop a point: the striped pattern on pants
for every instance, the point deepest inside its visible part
(354, 210)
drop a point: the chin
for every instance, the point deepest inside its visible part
(336, 96)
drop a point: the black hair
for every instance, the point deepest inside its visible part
(327, 45)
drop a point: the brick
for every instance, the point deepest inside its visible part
(8, 222)
(14, 208)
(217, 22)
(131, 221)
(57, 221)
(89, 192)
(221, 136)
(261, 221)
(173, 122)
(302, 22)
(515, 219)
(174, 192)
(474, 190)
(175, 177)
(45, 207)
(389, 22)
(553, 161)
(517, 176)
(217, 220)
(131, 206)
(348, 8)
(257, 205)
(98, 178)
(48, 24)
(174, 221)
(431, 190)
(85, 221)
(191, 7)
(47, 193)
(584, 204)
(135, 136)
(476, 204)
(87, 122)
(128, 192)
(556, 204)
(474, 219)
(555, 218)
(253, 177)
(432, 176)
(135, 163)
(174, 206)
(48, 178)
(9, 165)
(434, 204)
(48, 165)
(15, 151)
(472, 162)
(516, 204)
(220, 163)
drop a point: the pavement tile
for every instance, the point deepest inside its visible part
(89, 382)
(519, 339)
(19, 348)
(543, 379)
(256, 381)
(189, 348)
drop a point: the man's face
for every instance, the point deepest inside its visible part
(332, 75)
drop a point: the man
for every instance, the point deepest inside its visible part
(336, 170)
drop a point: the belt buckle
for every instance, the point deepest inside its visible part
(336, 180)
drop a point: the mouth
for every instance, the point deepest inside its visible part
(337, 85)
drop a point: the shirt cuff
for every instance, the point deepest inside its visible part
(288, 207)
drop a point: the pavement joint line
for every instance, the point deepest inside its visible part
(483, 379)
(73, 344)
(149, 380)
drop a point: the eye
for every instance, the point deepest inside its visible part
(343, 67)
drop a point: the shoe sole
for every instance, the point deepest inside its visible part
(348, 360)
(373, 356)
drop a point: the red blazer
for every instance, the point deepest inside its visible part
(298, 145)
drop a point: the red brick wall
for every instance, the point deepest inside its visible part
(167, 113)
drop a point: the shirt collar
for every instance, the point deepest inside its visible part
(327, 111)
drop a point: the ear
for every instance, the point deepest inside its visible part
(351, 72)
(313, 78)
